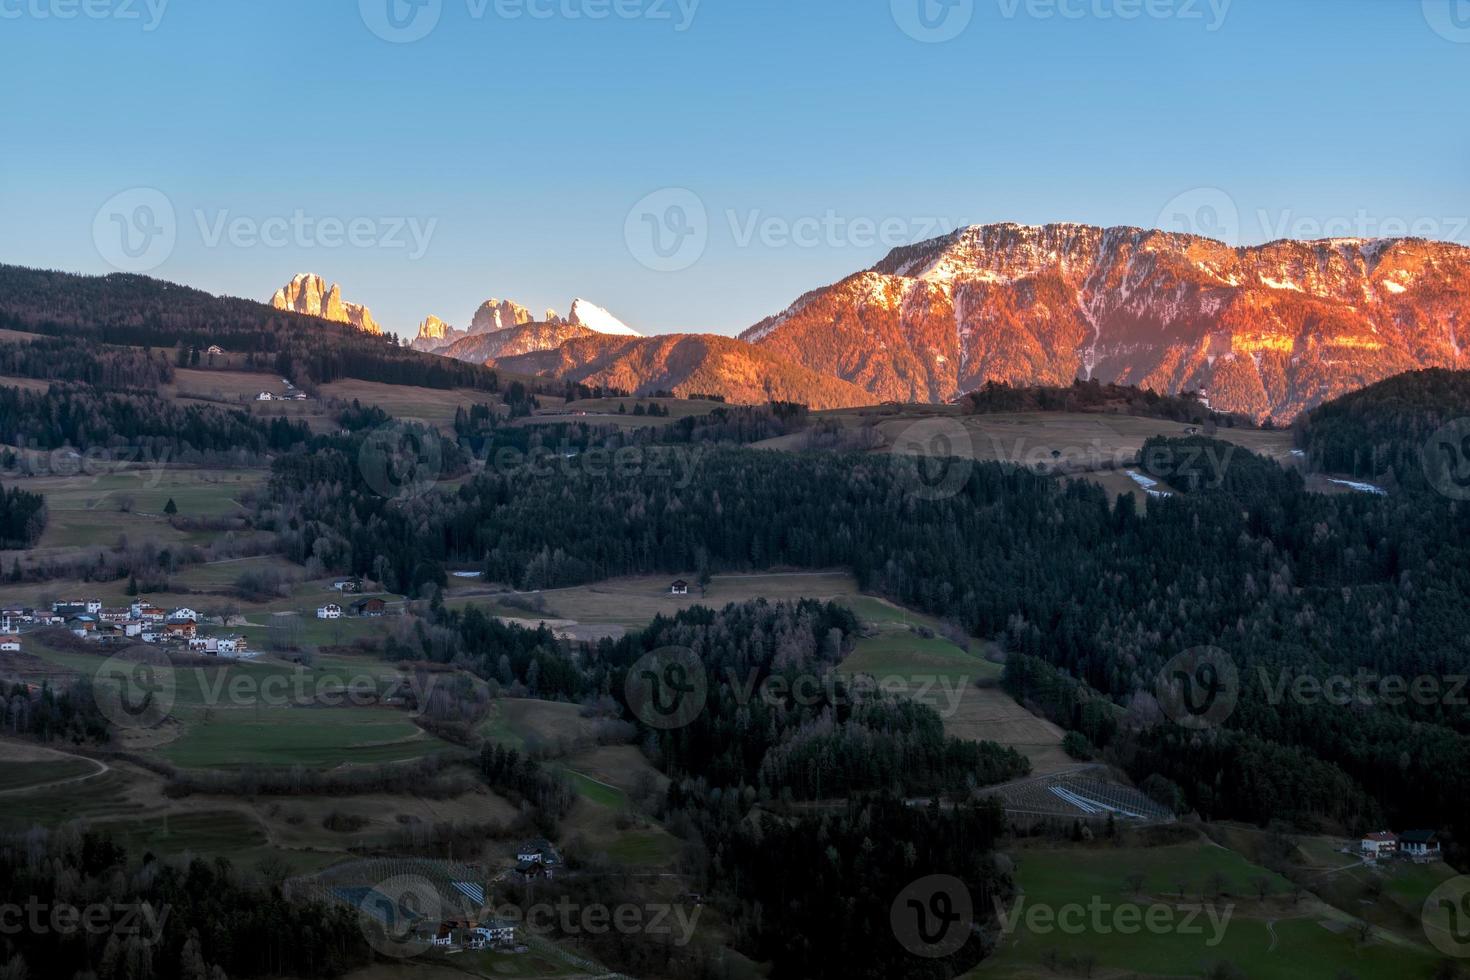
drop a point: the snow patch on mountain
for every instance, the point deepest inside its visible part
(594, 317)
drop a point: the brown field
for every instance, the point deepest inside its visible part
(1031, 437)
(528, 722)
(431, 406)
(604, 411)
(1096, 445)
(621, 766)
(129, 800)
(219, 385)
(990, 714)
(26, 384)
(634, 601)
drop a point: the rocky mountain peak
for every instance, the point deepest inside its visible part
(497, 314)
(308, 293)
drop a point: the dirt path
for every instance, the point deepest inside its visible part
(102, 767)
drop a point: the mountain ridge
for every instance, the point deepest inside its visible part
(1267, 330)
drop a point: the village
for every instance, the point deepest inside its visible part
(141, 621)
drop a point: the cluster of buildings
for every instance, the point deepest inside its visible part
(89, 619)
(1419, 846)
(537, 858)
(372, 608)
(491, 933)
(291, 394)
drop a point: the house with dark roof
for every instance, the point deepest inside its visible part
(369, 607)
(1420, 845)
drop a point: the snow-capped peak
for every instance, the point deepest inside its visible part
(594, 317)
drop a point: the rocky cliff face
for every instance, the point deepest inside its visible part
(434, 334)
(1269, 330)
(309, 294)
(498, 314)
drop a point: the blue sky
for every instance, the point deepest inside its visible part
(533, 157)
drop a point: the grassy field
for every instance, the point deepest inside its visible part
(604, 778)
(227, 738)
(25, 775)
(960, 684)
(1268, 938)
(232, 713)
(90, 510)
(432, 406)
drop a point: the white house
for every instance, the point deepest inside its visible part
(231, 646)
(9, 623)
(330, 611)
(497, 932)
(680, 587)
(10, 646)
(1380, 844)
(183, 614)
(204, 644)
(265, 396)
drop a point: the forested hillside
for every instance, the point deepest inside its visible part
(1244, 559)
(1381, 432)
(136, 311)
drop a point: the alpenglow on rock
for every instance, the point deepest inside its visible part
(497, 314)
(435, 334)
(308, 293)
(1267, 331)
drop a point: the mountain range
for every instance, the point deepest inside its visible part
(1267, 331)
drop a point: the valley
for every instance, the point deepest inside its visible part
(430, 597)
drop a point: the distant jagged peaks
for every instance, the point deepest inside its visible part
(501, 327)
(309, 294)
(594, 317)
(498, 314)
(434, 334)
